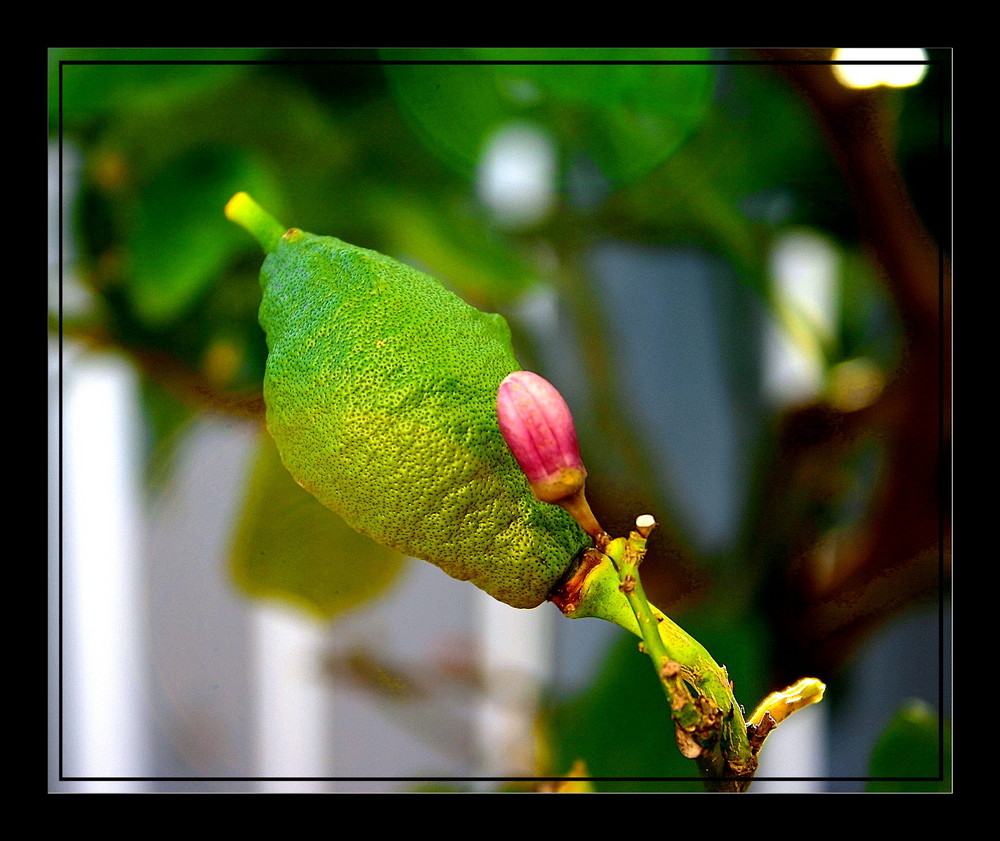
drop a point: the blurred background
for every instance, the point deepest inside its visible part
(734, 264)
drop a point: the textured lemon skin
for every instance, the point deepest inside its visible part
(381, 396)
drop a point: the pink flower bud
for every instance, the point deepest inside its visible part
(537, 425)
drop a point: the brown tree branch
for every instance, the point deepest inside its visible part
(900, 538)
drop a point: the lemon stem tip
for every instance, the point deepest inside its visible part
(245, 212)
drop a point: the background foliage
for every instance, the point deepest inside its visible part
(704, 167)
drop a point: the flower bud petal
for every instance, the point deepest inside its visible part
(538, 427)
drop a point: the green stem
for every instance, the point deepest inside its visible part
(244, 211)
(709, 722)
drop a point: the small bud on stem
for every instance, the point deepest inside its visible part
(644, 524)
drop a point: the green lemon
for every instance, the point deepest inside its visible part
(381, 396)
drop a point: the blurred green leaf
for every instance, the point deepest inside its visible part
(623, 118)
(911, 748)
(165, 419)
(174, 276)
(868, 325)
(94, 82)
(180, 241)
(454, 246)
(289, 547)
(621, 727)
(755, 163)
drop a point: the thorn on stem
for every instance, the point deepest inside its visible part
(756, 733)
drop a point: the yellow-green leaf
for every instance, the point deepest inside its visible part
(289, 547)
(913, 754)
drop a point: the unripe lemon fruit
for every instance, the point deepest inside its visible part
(381, 390)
